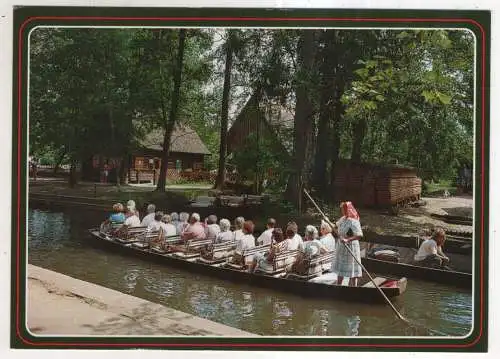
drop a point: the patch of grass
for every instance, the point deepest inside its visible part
(438, 188)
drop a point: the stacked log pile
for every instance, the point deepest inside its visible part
(375, 185)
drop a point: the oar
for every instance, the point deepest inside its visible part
(398, 314)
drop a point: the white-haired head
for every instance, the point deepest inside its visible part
(166, 218)
(224, 225)
(151, 208)
(131, 205)
(311, 232)
(195, 217)
(238, 222)
(174, 216)
(325, 227)
(183, 216)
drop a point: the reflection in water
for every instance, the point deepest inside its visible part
(59, 241)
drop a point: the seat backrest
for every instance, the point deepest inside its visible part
(322, 258)
(192, 243)
(284, 255)
(255, 250)
(222, 247)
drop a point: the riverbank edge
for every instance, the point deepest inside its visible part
(61, 305)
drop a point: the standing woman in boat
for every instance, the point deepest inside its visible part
(349, 231)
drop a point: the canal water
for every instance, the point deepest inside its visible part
(59, 241)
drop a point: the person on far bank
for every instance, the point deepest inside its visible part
(430, 253)
(150, 217)
(349, 232)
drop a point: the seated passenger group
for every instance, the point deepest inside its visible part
(342, 238)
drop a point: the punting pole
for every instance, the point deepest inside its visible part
(398, 314)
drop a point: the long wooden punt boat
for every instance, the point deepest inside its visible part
(366, 292)
(452, 278)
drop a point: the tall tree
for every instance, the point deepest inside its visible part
(172, 118)
(303, 129)
(221, 173)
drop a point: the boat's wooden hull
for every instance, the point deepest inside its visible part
(458, 279)
(302, 288)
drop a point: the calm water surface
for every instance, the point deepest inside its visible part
(60, 242)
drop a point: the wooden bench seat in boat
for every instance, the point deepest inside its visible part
(129, 234)
(218, 252)
(163, 244)
(240, 260)
(191, 249)
(314, 266)
(147, 238)
(280, 263)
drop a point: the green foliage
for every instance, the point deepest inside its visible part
(417, 102)
(258, 159)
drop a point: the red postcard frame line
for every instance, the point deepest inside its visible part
(385, 20)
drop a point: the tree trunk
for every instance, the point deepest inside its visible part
(73, 180)
(59, 160)
(219, 182)
(303, 121)
(359, 132)
(328, 64)
(335, 134)
(162, 180)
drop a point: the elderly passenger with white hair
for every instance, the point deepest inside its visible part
(175, 219)
(155, 224)
(225, 234)
(131, 207)
(167, 227)
(326, 239)
(183, 222)
(194, 230)
(311, 245)
(131, 216)
(238, 229)
(150, 217)
(212, 229)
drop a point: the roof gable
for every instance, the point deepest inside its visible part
(183, 140)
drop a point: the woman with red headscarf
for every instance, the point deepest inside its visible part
(349, 231)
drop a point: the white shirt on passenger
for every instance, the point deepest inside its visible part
(295, 242)
(427, 248)
(238, 234)
(246, 241)
(226, 236)
(212, 231)
(181, 226)
(311, 248)
(148, 219)
(132, 221)
(266, 237)
(328, 241)
(168, 229)
(154, 226)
